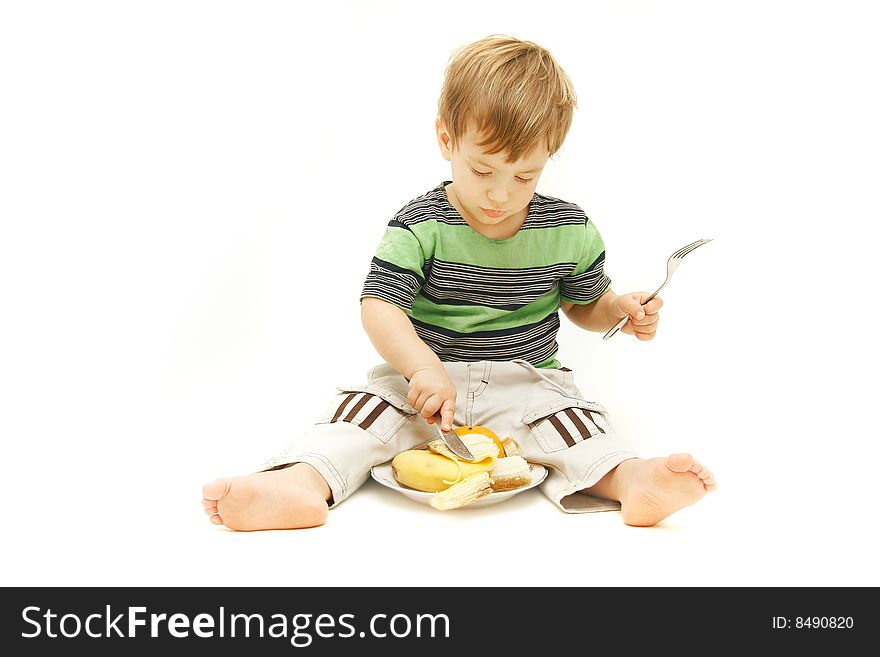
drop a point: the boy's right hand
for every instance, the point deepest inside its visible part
(431, 391)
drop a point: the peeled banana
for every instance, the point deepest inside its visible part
(464, 492)
(456, 482)
(431, 472)
(511, 447)
(481, 447)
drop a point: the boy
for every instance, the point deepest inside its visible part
(461, 301)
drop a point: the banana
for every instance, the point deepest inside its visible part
(510, 472)
(480, 446)
(464, 492)
(431, 472)
(511, 447)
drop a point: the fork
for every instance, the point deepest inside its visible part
(671, 265)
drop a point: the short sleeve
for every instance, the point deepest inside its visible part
(397, 269)
(588, 281)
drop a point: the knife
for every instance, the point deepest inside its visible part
(453, 442)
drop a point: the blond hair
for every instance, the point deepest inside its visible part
(512, 92)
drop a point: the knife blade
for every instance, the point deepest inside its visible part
(453, 442)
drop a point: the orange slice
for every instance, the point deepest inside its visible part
(485, 431)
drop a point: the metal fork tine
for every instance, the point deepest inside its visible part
(685, 248)
(683, 251)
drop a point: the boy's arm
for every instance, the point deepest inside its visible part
(604, 312)
(392, 334)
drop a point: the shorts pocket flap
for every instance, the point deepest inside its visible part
(385, 393)
(565, 422)
(560, 404)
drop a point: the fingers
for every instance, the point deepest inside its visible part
(643, 319)
(653, 306)
(432, 393)
(432, 407)
(438, 408)
(447, 413)
(418, 398)
(643, 329)
(631, 305)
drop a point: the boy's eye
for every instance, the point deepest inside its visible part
(483, 174)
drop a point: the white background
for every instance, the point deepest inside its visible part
(190, 193)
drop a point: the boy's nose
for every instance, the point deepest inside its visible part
(498, 195)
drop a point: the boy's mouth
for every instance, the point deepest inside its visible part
(494, 214)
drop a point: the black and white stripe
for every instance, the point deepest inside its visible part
(454, 283)
(534, 343)
(433, 206)
(392, 283)
(589, 285)
(549, 212)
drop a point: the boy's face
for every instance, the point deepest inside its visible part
(492, 194)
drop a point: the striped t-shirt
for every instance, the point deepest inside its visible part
(473, 298)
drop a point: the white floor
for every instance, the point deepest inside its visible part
(181, 252)
(379, 538)
(131, 515)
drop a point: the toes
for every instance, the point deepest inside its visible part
(701, 471)
(216, 489)
(212, 492)
(684, 462)
(680, 462)
(707, 478)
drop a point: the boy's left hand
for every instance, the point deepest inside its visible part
(642, 318)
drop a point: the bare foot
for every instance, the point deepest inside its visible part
(652, 489)
(290, 498)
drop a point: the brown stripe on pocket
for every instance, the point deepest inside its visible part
(589, 416)
(557, 424)
(576, 421)
(360, 404)
(375, 413)
(342, 406)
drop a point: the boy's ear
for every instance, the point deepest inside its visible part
(443, 139)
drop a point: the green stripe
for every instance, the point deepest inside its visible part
(402, 248)
(592, 248)
(528, 248)
(468, 319)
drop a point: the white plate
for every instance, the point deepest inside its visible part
(383, 474)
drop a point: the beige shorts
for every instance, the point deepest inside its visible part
(542, 409)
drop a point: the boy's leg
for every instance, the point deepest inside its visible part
(363, 426)
(650, 490)
(590, 467)
(288, 498)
